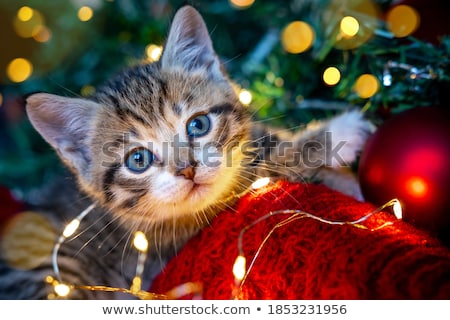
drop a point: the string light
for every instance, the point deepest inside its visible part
(260, 183)
(140, 242)
(413, 73)
(240, 272)
(69, 230)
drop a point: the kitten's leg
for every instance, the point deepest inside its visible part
(329, 148)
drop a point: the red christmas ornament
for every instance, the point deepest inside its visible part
(9, 206)
(408, 158)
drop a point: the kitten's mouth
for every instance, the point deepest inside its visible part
(197, 190)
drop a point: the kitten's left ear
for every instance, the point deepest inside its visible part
(189, 45)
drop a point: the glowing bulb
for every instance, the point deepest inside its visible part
(245, 97)
(260, 183)
(331, 76)
(239, 268)
(61, 289)
(153, 52)
(403, 20)
(366, 86)
(25, 14)
(242, 4)
(140, 241)
(85, 13)
(71, 228)
(416, 187)
(349, 26)
(397, 208)
(136, 285)
(19, 70)
(297, 37)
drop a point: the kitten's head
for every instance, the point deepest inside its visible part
(160, 144)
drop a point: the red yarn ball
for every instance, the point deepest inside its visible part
(408, 158)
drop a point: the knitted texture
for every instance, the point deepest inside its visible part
(308, 259)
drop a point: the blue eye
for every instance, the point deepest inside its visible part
(139, 160)
(198, 126)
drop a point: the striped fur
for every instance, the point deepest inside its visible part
(149, 106)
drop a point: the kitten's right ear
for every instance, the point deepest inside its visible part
(65, 123)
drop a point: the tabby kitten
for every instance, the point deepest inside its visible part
(163, 148)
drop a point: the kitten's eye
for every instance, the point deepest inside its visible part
(139, 160)
(198, 126)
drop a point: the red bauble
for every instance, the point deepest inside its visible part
(9, 206)
(408, 158)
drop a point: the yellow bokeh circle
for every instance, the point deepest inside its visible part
(366, 86)
(403, 20)
(241, 4)
(297, 37)
(19, 70)
(331, 76)
(85, 13)
(349, 26)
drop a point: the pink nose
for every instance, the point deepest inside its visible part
(188, 172)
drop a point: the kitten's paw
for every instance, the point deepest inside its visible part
(348, 133)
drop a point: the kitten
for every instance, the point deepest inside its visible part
(163, 148)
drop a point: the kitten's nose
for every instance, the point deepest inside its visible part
(188, 172)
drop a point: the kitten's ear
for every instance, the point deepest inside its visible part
(65, 124)
(189, 45)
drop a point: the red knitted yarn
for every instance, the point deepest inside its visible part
(307, 259)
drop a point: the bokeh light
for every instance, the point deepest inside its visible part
(28, 22)
(402, 20)
(366, 86)
(87, 90)
(297, 37)
(85, 13)
(417, 187)
(331, 76)
(349, 26)
(25, 13)
(241, 4)
(351, 23)
(245, 97)
(19, 70)
(153, 52)
(43, 34)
